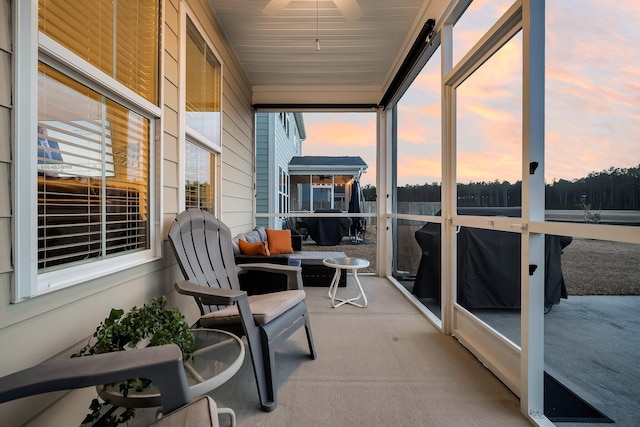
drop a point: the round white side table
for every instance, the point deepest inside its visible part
(349, 264)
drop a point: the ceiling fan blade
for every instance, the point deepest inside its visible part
(350, 9)
(275, 6)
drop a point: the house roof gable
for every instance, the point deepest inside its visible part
(329, 161)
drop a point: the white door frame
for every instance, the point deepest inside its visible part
(520, 368)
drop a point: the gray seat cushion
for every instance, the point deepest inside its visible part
(264, 307)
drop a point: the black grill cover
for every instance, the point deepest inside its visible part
(488, 264)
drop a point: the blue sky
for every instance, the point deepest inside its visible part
(592, 101)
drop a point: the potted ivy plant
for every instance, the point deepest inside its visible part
(150, 325)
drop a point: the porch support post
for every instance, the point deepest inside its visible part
(448, 249)
(533, 205)
(384, 190)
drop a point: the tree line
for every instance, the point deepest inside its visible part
(613, 188)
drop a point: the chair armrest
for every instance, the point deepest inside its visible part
(293, 273)
(207, 295)
(160, 364)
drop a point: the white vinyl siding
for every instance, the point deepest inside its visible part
(76, 311)
(264, 138)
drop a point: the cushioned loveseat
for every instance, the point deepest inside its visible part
(280, 247)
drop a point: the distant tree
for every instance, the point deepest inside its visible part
(369, 193)
(612, 188)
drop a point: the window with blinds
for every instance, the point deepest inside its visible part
(202, 88)
(199, 177)
(202, 119)
(93, 174)
(120, 37)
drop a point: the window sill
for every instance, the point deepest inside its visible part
(61, 279)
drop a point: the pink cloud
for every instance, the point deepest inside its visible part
(478, 18)
(592, 95)
(419, 125)
(489, 117)
(488, 166)
(420, 169)
(342, 134)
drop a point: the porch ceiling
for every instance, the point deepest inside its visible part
(357, 60)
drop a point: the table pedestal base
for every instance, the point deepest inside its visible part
(333, 288)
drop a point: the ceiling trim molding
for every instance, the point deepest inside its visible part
(314, 107)
(316, 95)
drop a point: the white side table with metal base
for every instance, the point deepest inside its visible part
(349, 264)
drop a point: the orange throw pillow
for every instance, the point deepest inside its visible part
(279, 241)
(257, 248)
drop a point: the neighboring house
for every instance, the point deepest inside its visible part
(279, 137)
(286, 181)
(323, 182)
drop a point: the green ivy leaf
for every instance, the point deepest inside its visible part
(163, 325)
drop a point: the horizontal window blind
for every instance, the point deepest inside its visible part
(93, 174)
(120, 37)
(202, 87)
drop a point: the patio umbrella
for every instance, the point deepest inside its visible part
(357, 224)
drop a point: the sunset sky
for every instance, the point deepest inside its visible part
(592, 107)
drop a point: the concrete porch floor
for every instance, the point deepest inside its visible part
(591, 346)
(383, 365)
(387, 365)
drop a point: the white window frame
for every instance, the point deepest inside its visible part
(216, 174)
(187, 133)
(284, 119)
(283, 193)
(31, 47)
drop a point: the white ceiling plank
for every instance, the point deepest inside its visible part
(278, 49)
